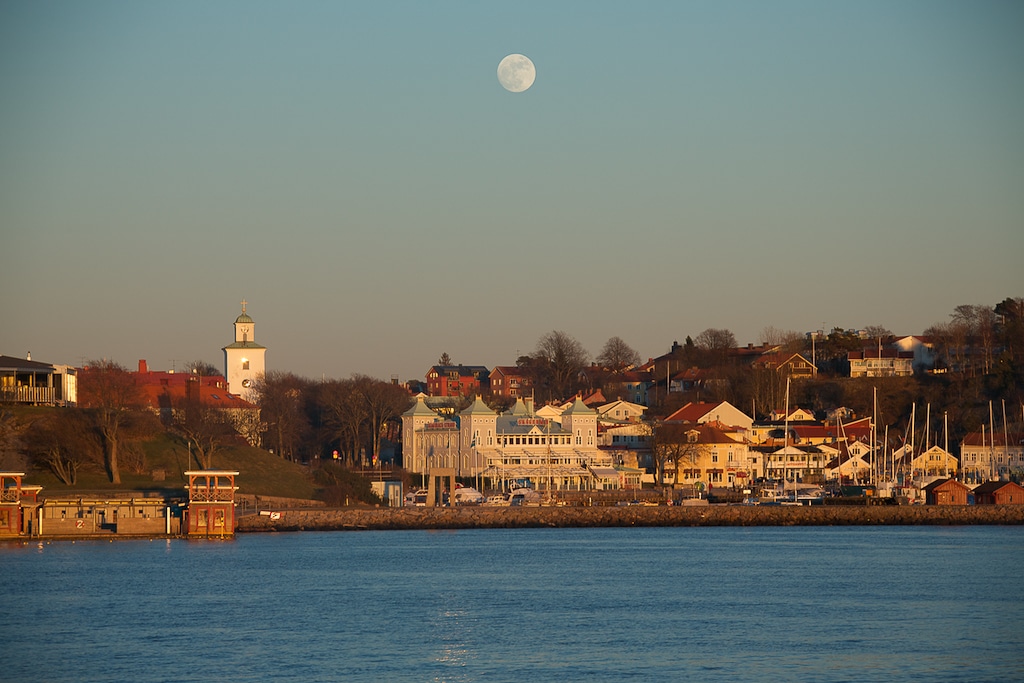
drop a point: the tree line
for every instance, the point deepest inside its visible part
(355, 417)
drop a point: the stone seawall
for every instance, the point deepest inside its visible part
(336, 519)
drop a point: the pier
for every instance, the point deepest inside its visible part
(483, 517)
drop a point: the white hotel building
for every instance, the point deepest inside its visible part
(552, 453)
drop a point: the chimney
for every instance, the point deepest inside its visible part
(143, 368)
(28, 356)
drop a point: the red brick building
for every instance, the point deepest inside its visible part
(509, 381)
(457, 380)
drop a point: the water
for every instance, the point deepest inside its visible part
(671, 604)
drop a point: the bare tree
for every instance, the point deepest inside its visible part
(672, 443)
(108, 391)
(941, 335)
(281, 398)
(203, 369)
(204, 427)
(713, 339)
(562, 359)
(716, 345)
(773, 336)
(975, 325)
(879, 333)
(343, 416)
(64, 443)
(617, 356)
(383, 403)
(358, 411)
(11, 431)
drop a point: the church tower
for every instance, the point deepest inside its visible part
(244, 361)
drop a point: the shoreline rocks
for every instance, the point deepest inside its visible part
(350, 519)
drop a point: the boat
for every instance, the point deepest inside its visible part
(417, 498)
(467, 495)
(520, 497)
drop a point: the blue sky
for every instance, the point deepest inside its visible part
(355, 171)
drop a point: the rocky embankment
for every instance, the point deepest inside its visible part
(336, 519)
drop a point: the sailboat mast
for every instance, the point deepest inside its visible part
(1006, 438)
(785, 443)
(992, 444)
(928, 427)
(945, 447)
(887, 475)
(875, 427)
(913, 427)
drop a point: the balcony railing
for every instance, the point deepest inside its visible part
(27, 394)
(221, 494)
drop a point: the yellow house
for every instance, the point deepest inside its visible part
(937, 462)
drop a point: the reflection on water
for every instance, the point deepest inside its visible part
(800, 604)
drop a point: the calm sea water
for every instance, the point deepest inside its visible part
(673, 604)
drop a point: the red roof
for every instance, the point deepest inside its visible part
(879, 353)
(709, 433)
(160, 396)
(975, 439)
(691, 412)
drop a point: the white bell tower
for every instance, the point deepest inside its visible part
(244, 360)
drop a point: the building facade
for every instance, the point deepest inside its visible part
(881, 363)
(512, 448)
(984, 455)
(457, 380)
(509, 381)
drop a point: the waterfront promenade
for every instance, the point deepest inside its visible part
(331, 519)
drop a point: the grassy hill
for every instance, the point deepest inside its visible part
(165, 460)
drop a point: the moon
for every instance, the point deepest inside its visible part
(516, 73)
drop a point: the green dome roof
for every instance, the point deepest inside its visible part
(244, 318)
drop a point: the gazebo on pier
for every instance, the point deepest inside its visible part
(211, 503)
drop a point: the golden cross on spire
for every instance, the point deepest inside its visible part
(243, 305)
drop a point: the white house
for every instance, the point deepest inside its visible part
(620, 411)
(922, 348)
